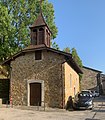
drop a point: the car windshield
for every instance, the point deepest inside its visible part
(84, 96)
(96, 92)
(85, 92)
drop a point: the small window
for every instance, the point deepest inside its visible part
(34, 30)
(41, 29)
(38, 55)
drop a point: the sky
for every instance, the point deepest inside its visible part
(81, 24)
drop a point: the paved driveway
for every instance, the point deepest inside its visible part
(55, 114)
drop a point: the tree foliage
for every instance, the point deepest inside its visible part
(75, 56)
(16, 17)
(67, 49)
(6, 33)
(77, 59)
(55, 45)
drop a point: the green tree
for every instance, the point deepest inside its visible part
(6, 33)
(76, 57)
(78, 61)
(67, 49)
(55, 45)
(23, 13)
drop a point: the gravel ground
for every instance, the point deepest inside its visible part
(22, 113)
(17, 114)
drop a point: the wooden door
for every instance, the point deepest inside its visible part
(35, 94)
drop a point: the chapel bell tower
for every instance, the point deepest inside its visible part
(40, 32)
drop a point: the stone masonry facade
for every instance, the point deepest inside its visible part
(49, 70)
(89, 79)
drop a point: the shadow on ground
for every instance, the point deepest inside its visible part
(91, 119)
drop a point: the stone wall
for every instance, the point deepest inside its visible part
(89, 79)
(101, 83)
(49, 69)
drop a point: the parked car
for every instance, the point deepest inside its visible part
(87, 92)
(95, 94)
(83, 101)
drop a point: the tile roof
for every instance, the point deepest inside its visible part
(39, 21)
